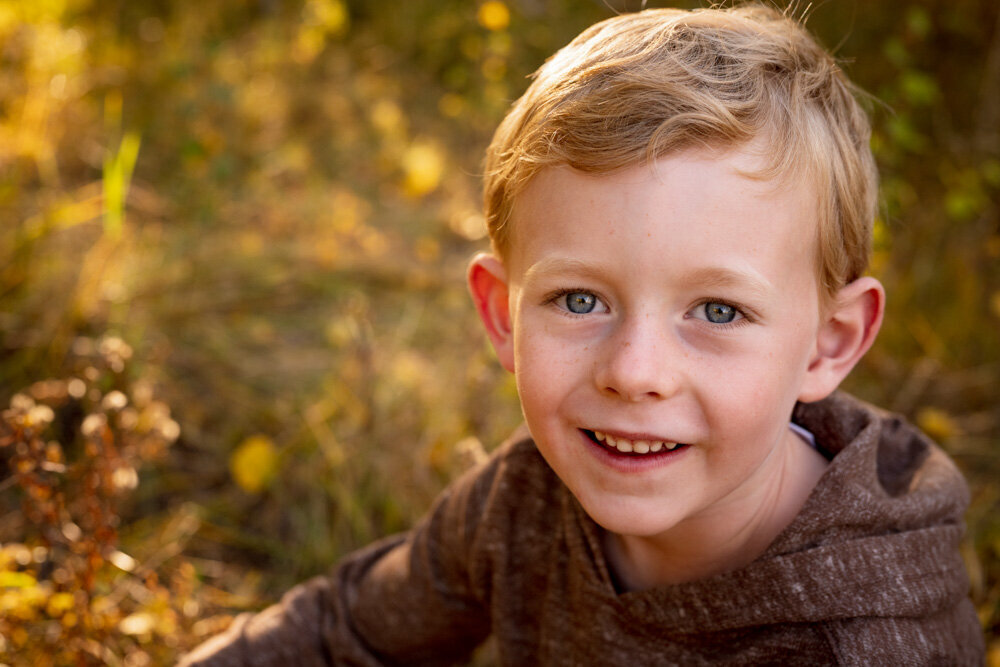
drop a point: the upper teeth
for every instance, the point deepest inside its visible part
(625, 445)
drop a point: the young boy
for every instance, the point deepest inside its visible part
(680, 208)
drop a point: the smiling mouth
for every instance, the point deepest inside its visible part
(626, 446)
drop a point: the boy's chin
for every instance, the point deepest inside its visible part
(643, 518)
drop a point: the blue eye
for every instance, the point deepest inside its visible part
(577, 301)
(580, 302)
(720, 313)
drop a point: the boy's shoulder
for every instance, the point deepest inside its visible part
(889, 510)
(512, 480)
(881, 451)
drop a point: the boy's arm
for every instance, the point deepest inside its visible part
(297, 630)
(409, 598)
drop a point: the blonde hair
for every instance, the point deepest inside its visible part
(642, 86)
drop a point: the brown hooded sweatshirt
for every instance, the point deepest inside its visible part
(868, 573)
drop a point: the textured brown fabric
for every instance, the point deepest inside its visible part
(868, 573)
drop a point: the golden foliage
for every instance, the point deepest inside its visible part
(423, 165)
(254, 463)
(493, 15)
(278, 264)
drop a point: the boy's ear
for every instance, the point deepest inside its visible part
(488, 285)
(848, 330)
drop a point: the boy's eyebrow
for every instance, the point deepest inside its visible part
(557, 265)
(711, 277)
(725, 278)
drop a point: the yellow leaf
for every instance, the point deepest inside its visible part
(310, 41)
(493, 15)
(10, 579)
(19, 637)
(937, 423)
(331, 14)
(423, 166)
(59, 603)
(253, 463)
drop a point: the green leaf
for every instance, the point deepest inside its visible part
(918, 88)
(117, 177)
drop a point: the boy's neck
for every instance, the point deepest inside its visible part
(728, 540)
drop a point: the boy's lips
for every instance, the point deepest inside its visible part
(632, 443)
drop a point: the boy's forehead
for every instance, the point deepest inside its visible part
(736, 175)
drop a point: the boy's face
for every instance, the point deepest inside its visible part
(674, 305)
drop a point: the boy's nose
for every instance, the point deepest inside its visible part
(636, 365)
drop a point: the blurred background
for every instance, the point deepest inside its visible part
(235, 341)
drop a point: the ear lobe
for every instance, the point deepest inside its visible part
(488, 285)
(846, 334)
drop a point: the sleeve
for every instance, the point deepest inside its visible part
(408, 599)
